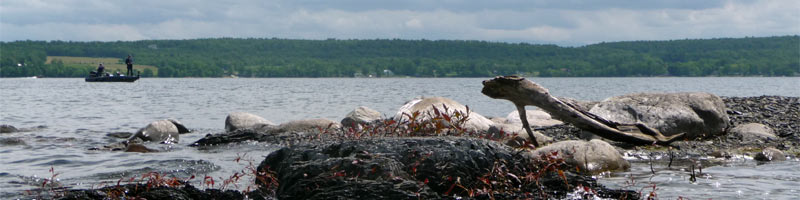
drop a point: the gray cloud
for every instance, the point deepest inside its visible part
(566, 22)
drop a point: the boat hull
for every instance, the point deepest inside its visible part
(112, 79)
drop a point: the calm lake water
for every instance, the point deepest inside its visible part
(76, 116)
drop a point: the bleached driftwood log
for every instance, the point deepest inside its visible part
(526, 93)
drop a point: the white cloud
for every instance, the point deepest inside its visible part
(539, 21)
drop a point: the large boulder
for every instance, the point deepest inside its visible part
(361, 116)
(243, 120)
(592, 156)
(4, 128)
(475, 122)
(753, 132)
(162, 131)
(413, 168)
(696, 114)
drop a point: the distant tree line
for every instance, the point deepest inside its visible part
(762, 56)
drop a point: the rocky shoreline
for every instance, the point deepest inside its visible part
(778, 113)
(340, 161)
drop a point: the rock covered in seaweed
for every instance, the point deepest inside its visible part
(412, 168)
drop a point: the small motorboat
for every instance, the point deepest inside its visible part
(94, 77)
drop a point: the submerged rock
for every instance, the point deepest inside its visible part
(11, 141)
(413, 168)
(120, 134)
(307, 125)
(4, 128)
(593, 156)
(250, 135)
(698, 114)
(770, 154)
(145, 191)
(139, 148)
(243, 120)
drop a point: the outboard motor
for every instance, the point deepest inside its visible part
(93, 74)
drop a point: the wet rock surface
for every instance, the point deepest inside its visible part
(243, 120)
(770, 154)
(250, 135)
(143, 191)
(419, 167)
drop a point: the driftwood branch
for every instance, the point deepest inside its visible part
(526, 93)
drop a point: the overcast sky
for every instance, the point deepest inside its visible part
(561, 22)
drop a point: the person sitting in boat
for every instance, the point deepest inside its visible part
(100, 69)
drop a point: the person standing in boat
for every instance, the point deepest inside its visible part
(129, 62)
(100, 70)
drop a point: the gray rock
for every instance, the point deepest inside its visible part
(515, 135)
(4, 128)
(696, 114)
(770, 154)
(243, 120)
(163, 131)
(535, 118)
(181, 128)
(306, 125)
(475, 122)
(754, 132)
(592, 156)
(361, 116)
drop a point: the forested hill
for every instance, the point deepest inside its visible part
(765, 56)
